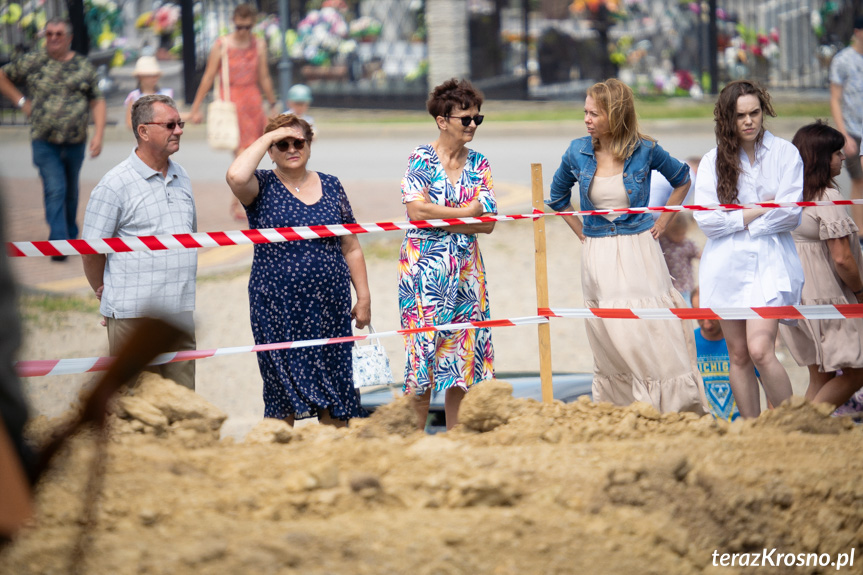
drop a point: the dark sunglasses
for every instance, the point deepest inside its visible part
(243, 27)
(54, 34)
(465, 120)
(285, 145)
(170, 125)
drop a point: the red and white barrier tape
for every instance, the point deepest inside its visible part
(232, 238)
(709, 207)
(842, 311)
(275, 235)
(37, 368)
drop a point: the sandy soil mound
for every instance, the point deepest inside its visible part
(520, 487)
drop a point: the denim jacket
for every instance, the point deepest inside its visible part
(579, 165)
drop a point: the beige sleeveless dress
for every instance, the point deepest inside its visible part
(831, 344)
(653, 361)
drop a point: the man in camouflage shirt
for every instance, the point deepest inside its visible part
(62, 95)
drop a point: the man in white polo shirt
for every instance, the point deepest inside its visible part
(146, 194)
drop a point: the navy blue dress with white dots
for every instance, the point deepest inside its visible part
(301, 290)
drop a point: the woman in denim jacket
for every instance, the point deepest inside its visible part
(622, 265)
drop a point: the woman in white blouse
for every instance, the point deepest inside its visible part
(750, 259)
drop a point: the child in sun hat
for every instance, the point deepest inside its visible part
(148, 72)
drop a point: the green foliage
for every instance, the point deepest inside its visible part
(39, 307)
(103, 19)
(649, 107)
(382, 249)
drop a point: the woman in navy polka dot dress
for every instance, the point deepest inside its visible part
(301, 289)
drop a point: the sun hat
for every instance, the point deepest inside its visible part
(147, 66)
(299, 93)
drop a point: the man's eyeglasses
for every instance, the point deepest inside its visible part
(170, 125)
(54, 34)
(465, 120)
(244, 27)
(285, 145)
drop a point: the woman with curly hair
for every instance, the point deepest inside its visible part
(622, 264)
(750, 259)
(829, 249)
(441, 272)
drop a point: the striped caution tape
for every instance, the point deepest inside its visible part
(813, 312)
(38, 368)
(232, 238)
(710, 207)
(275, 235)
(35, 368)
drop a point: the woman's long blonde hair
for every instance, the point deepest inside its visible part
(618, 102)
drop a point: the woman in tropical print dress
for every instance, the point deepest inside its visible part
(441, 272)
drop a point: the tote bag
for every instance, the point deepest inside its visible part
(223, 128)
(371, 364)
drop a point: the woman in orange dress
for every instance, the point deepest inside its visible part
(248, 75)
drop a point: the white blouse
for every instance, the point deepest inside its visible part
(757, 266)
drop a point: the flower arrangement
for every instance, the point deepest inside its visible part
(419, 73)
(598, 9)
(365, 29)
(164, 20)
(104, 22)
(30, 19)
(828, 11)
(745, 43)
(11, 14)
(268, 30)
(750, 53)
(339, 5)
(321, 37)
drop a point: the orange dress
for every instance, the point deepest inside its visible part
(245, 92)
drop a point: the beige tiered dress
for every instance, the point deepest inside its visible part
(830, 344)
(653, 361)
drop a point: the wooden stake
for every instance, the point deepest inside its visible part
(541, 269)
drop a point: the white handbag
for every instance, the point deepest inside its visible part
(371, 364)
(223, 127)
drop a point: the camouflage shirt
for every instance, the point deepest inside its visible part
(60, 95)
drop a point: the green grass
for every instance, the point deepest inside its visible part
(648, 107)
(657, 109)
(803, 109)
(39, 307)
(673, 108)
(225, 275)
(386, 249)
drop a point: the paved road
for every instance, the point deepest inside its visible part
(369, 158)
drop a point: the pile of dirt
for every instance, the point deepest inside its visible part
(490, 407)
(519, 487)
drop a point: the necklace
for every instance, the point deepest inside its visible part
(289, 184)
